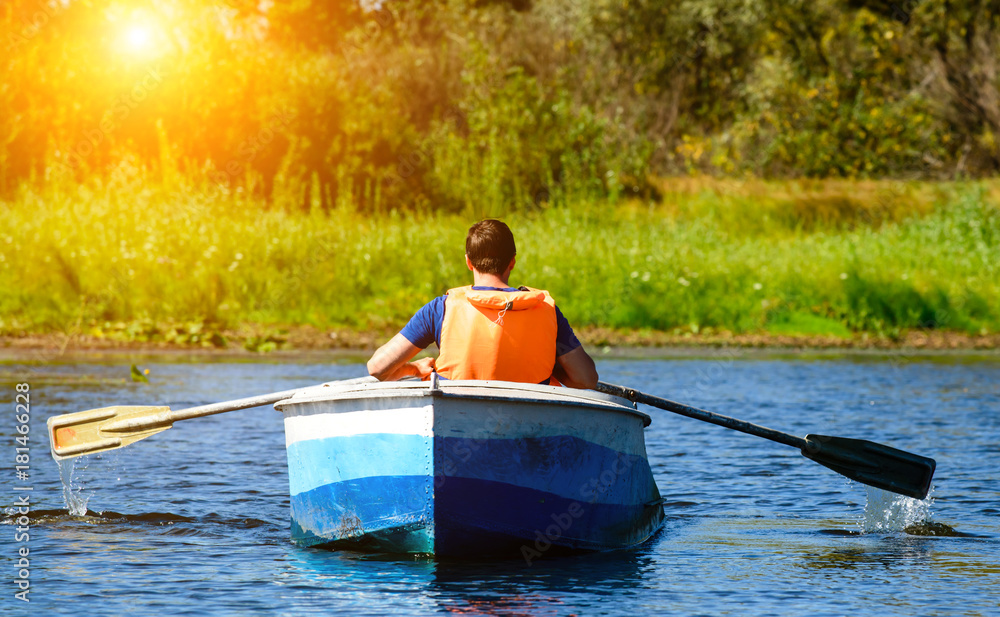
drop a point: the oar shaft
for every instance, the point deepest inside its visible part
(242, 403)
(246, 403)
(706, 416)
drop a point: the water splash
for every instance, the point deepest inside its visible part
(888, 512)
(73, 495)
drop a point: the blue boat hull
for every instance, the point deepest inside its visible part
(467, 475)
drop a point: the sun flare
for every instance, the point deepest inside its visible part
(138, 37)
(141, 38)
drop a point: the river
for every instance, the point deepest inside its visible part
(194, 521)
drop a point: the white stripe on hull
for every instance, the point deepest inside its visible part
(337, 420)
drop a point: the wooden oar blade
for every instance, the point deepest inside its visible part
(107, 428)
(873, 464)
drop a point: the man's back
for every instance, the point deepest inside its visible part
(489, 330)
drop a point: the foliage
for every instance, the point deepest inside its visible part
(470, 106)
(818, 89)
(171, 170)
(129, 262)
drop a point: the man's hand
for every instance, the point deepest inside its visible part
(391, 361)
(421, 368)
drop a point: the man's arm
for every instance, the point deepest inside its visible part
(576, 369)
(391, 361)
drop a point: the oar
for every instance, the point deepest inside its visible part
(864, 461)
(108, 428)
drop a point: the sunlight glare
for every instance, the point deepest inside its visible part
(138, 37)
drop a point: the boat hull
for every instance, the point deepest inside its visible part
(468, 469)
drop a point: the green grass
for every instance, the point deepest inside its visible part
(806, 324)
(146, 263)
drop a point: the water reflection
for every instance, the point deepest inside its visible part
(886, 552)
(548, 587)
(306, 578)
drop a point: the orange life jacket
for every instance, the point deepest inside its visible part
(502, 335)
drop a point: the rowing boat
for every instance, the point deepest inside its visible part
(467, 468)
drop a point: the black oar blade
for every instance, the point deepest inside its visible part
(873, 464)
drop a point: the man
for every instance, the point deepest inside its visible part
(489, 330)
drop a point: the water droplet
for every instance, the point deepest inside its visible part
(73, 497)
(889, 512)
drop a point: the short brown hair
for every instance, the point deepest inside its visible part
(490, 246)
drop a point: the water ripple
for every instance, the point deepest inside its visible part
(194, 521)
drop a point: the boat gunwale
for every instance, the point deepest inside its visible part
(598, 401)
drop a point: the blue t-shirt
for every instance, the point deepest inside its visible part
(424, 328)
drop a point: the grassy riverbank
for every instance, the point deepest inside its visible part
(712, 260)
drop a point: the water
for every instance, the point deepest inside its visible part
(194, 521)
